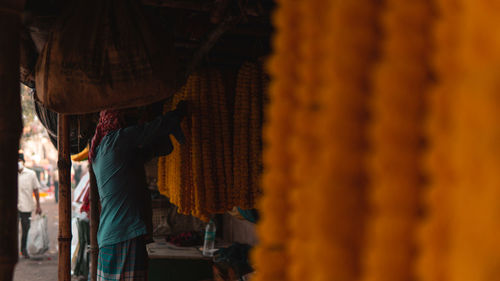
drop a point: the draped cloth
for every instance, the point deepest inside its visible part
(109, 120)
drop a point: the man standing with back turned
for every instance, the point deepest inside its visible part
(27, 186)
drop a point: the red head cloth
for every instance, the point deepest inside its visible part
(109, 120)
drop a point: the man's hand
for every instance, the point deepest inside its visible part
(37, 197)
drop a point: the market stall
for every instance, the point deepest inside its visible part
(219, 39)
(371, 155)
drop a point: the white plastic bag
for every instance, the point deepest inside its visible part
(38, 236)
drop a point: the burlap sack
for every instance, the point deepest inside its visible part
(81, 127)
(105, 54)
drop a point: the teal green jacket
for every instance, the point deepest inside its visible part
(120, 175)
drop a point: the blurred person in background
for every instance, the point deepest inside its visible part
(56, 185)
(27, 186)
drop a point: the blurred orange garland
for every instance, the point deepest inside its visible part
(400, 84)
(352, 143)
(434, 234)
(314, 164)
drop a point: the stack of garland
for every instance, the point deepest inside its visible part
(247, 136)
(209, 174)
(197, 176)
(430, 210)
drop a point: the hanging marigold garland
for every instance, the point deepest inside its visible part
(474, 248)
(434, 234)
(304, 148)
(241, 122)
(270, 256)
(223, 149)
(207, 145)
(338, 189)
(324, 53)
(247, 137)
(401, 81)
(173, 171)
(196, 176)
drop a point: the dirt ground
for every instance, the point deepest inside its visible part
(44, 268)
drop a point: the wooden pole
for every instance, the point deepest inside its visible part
(94, 224)
(10, 132)
(64, 166)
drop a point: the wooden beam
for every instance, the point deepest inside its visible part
(219, 11)
(228, 23)
(10, 132)
(199, 6)
(12, 6)
(64, 166)
(94, 224)
(186, 44)
(216, 9)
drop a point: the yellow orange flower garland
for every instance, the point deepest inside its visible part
(401, 81)
(434, 235)
(304, 149)
(338, 187)
(82, 155)
(241, 121)
(223, 150)
(247, 137)
(258, 92)
(270, 257)
(324, 53)
(197, 175)
(474, 246)
(458, 240)
(199, 207)
(207, 144)
(172, 169)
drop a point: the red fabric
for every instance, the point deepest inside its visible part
(80, 197)
(86, 202)
(109, 120)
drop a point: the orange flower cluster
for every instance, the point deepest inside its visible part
(197, 175)
(400, 83)
(247, 137)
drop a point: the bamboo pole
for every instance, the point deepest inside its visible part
(94, 224)
(10, 132)
(64, 166)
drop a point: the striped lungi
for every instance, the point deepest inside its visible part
(126, 260)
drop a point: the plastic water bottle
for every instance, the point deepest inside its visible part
(209, 244)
